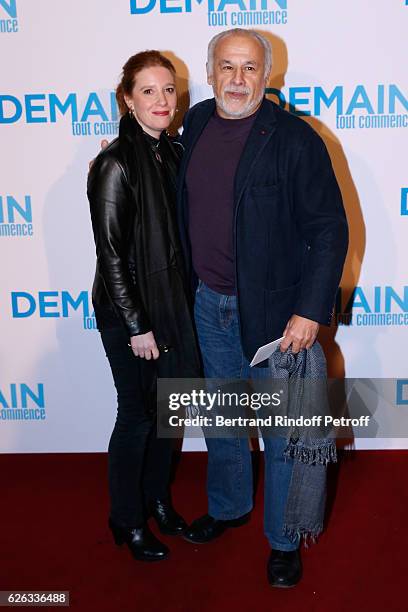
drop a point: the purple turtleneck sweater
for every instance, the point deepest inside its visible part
(210, 187)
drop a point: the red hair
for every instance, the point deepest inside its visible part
(136, 63)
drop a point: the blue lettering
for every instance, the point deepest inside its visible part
(240, 5)
(68, 300)
(18, 312)
(13, 395)
(31, 108)
(404, 201)
(295, 101)
(169, 9)
(377, 299)
(114, 106)
(320, 96)
(380, 99)
(37, 398)
(98, 110)
(44, 305)
(135, 10)
(395, 93)
(139, 7)
(211, 7)
(363, 103)
(25, 393)
(3, 400)
(8, 25)
(358, 294)
(55, 103)
(392, 295)
(10, 7)
(13, 205)
(18, 109)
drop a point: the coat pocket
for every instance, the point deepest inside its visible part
(279, 306)
(265, 190)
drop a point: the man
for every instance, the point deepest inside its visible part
(265, 235)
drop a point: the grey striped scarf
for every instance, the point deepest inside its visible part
(306, 381)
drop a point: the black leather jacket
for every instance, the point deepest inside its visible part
(140, 279)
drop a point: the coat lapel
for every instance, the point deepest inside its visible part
(262, 130)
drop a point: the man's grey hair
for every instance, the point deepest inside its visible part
(266, 45)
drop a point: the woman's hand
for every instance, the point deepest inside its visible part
(144, 346)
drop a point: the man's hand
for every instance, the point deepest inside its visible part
(104, 144)
(144, 346)
(300, 333)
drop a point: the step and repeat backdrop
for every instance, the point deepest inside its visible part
(341, 65)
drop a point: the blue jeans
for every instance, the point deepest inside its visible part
(229, 476)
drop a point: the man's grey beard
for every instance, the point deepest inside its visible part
(244, 112)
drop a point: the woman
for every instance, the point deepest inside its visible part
(140, 297)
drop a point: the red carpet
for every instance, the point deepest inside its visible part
(54, 537)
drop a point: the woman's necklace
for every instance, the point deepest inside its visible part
(155, 147)
(156, 152)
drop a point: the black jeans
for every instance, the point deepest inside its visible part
(139, 462)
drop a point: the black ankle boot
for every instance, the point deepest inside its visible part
(141, 542)
(168, 520)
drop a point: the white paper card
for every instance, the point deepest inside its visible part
(265, 351)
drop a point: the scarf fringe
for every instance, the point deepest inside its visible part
(307, 536)
(323, 454)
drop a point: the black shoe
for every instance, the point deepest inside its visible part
(207, 528)
(168, 520)
(143, 545)
(284, 568)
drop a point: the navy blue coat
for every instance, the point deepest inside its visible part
(290, 229)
